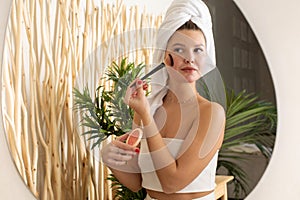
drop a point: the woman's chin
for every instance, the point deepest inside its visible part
(191, 78)
(183, 77)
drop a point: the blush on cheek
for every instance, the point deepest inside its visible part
(171, 60)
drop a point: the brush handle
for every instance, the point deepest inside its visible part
(157, 68)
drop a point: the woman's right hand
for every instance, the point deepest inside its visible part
(136, 99)
(118, 153)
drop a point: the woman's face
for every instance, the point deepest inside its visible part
(187, 49)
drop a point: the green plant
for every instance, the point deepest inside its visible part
(122, 192)
(104, 116)
(248, 121)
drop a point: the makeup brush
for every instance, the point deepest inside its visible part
(156, 69)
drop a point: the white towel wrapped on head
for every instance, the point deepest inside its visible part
(179, 12)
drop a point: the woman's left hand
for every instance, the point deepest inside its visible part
(136, 99)
(117, 152)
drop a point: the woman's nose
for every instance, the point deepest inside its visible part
(189, 59)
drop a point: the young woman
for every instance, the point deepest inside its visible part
(182, 131)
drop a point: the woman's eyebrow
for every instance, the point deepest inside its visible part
(200, 45)
(183, 45)
(178, 44)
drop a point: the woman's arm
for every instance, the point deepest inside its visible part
(121, 159)
(124, 164)
(171, 172)
(197, 153)
(131, 180)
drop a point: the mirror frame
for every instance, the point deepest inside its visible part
(280, 43)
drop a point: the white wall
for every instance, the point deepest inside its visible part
(276, 25)
(151, 6)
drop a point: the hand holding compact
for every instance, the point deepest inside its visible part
(118, 152)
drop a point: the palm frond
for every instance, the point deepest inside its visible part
(240, 180)
(83, 101)
(108, 115)
(248, 121)
(122, 192)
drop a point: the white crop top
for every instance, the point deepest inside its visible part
(205, 181)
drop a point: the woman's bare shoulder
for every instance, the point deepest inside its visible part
(209, 106)
(217, 109)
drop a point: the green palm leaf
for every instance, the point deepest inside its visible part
(248, 121)
(104, 116)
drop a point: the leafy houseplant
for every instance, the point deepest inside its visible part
(247, 121)
(108, 115)
(104, 115)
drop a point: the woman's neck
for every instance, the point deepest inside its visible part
(183, 92)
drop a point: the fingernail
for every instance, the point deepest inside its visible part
(137, 150)
(140, 82)
(145, 87)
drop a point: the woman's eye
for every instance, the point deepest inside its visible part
(198, 50)
(178, 50)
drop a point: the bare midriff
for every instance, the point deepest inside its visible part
(177, 196)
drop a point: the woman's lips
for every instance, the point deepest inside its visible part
(189, 69)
